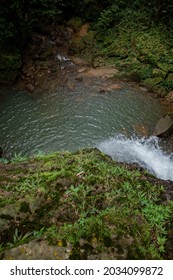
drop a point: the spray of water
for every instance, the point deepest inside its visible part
(145, 152)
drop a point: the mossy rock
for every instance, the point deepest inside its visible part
(170, 77)
(158, 73)
(165, 67)
(163, 93)
(152, 82)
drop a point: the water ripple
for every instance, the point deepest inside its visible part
(72, 120)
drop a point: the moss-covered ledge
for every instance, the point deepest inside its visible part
(83, 205)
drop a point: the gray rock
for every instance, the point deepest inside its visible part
(164, 126)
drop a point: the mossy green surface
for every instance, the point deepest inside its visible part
(82, 205)
(138, 51)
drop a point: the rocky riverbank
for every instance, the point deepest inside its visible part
(64, 56)
(48, 56)
(54, 60)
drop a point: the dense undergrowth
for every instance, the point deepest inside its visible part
(139, 48)
(83, 206)
(134, 36)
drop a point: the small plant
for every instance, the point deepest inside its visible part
(19, 238)
(161, 243)
(86, 198)
(76, 197)
(158, 215)
(39, 154)
(4, 160)
(5, 201)
(168, 85)
(18, 158)
(39, 233)
(26, 185)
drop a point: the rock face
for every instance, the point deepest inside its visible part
(83, 205)
(164, 126)
(40, 59)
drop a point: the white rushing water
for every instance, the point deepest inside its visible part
(145, 152)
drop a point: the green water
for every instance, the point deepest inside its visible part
(71, 119)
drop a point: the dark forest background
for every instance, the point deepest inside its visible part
(19, 17)
(138, 33)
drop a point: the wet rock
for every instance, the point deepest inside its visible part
(80, 61)
(103, 72)
(170, 77)
(83, 69)
(141, 129)
(164, 126)
(115, 87)
(68, 33)
(152, 82)
(79, 78)
(38, 250)
(169, 96)
(70, 85)
(109, 88)
(30, 87)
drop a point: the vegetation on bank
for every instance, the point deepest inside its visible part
(141, 51)
(83, 205)
(134, 36)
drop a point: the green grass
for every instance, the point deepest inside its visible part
(87, 200)
(139, 49)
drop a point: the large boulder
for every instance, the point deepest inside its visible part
(164, 126)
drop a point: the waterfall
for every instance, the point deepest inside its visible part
(146, 152)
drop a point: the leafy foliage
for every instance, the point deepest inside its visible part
(17, 17)
(85, 201)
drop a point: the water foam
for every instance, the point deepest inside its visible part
(145, 152)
